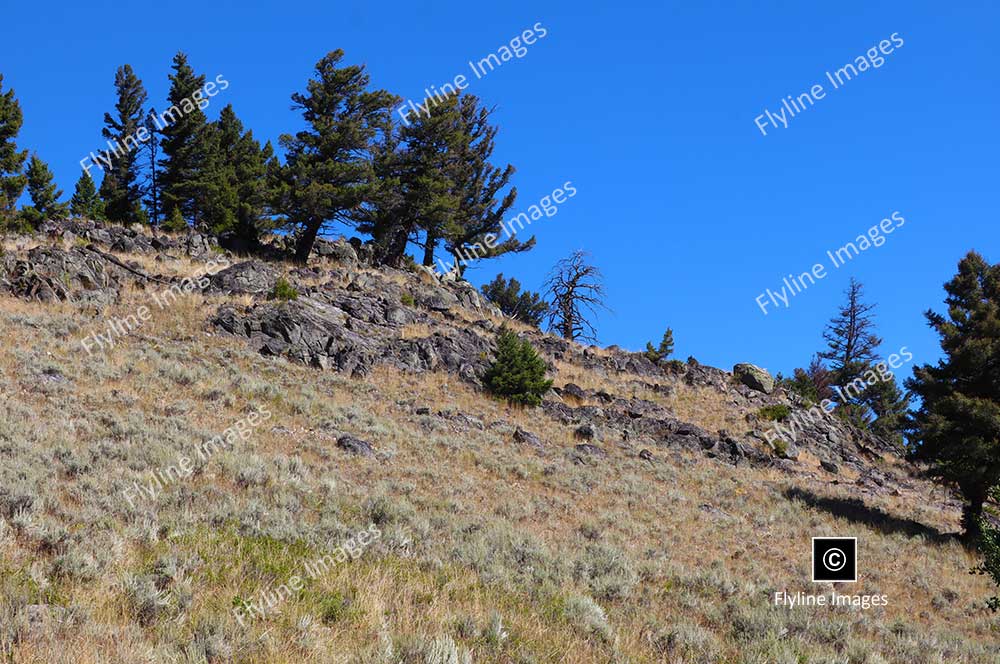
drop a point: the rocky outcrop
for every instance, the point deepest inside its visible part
(350, 318)
(50, 274)
(355, 326)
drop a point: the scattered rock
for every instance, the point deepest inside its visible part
(585, 431)
(527, 438)
(790, 452)
(646, 455)
(356, 446)
(829, 466)
(754, 377)
(339, 251)
(586, 451)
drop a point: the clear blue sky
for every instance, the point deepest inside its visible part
(649, 110)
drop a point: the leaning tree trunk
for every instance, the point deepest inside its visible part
(429, 250)
(305, 243)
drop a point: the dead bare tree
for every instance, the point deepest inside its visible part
(575, 290)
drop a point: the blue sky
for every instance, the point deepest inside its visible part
(648, 108)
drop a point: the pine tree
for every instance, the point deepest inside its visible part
(479, 187)
(889, 406)
(85, 201)
(813, 384)
(329, 170)
(664, 350)
(518, 372)
(44, 194)
(851, 342)
(866, 392)
(957, 427)
(175, 222)
(236, 181)
(433, 145)
(121, 190)
(525, 306)
(384, 214)
(12, 178)
(150, 151)
(183, 127)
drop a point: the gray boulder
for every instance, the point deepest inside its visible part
(527, 438)
(339, 251)
(355, 446)
(754, 377)
(249, 277)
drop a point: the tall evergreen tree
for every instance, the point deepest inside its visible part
(867, 395)
(384, 215)
(44, 194)
(85, 201)
(12, 178)
(850, 337)
(236, 181)
(957, 427)
(150, 151)
(329, 170)
(479, 187)
(433, 146)
(121, 189)
(183, 127)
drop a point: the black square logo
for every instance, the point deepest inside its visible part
(835, 559)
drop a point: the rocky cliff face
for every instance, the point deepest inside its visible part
(343, 315)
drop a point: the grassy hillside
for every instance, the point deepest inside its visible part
(484, 549)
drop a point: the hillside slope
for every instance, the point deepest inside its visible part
(191, 471)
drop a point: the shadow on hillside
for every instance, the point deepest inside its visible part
(854, 509)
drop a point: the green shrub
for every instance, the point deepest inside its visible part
(407, 299)
(780, 446)
(776, 413)
(174, 222)
(989, 547)
(518, 372)
(664, 350)
(284, 291)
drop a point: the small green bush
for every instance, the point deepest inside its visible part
(174, 222)
(407, 299)
(664, 350)
(518, 372)
(284, 291)
(989, 547)
(776, 413)
(780, 446)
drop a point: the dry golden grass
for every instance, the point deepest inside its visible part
(692, 547)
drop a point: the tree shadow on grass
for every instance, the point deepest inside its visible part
(854, 509)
